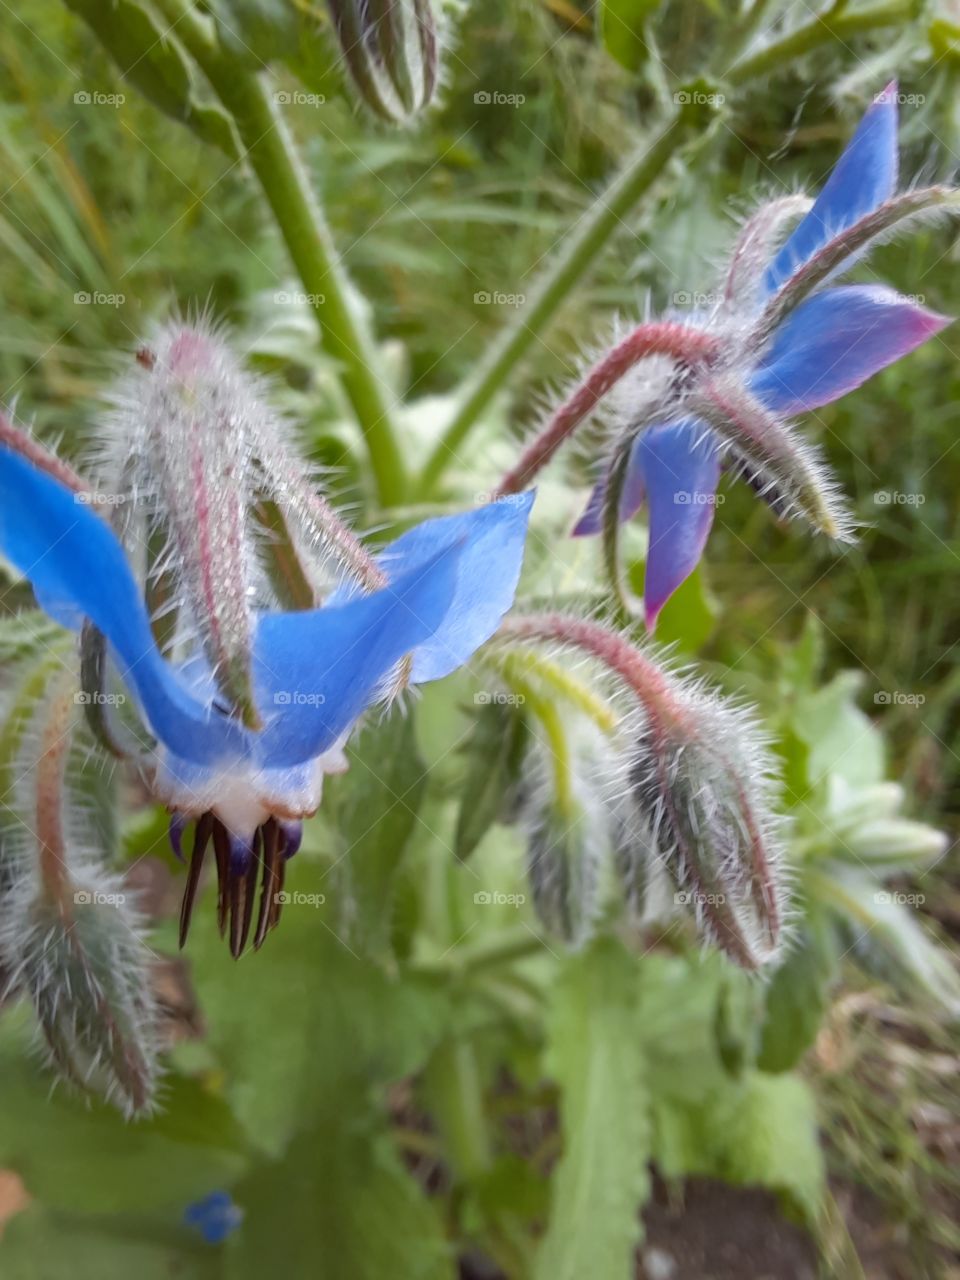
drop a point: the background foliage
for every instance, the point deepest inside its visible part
(401, 1083)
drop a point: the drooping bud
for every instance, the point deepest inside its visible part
(695, 788)
(196, 450)
(390, 49)
(70, 938)
(184, 424)
(567, 829)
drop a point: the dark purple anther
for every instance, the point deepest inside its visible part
(178, 824)
(291, 834)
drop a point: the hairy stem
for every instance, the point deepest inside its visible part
(270, 150)
(665, 337)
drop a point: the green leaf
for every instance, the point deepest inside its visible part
(841, 738)
(595, 1055)
(886, 935)
(622, 24)
(495, 749)
(688, 616)
(82, 1156)
(796, 998)
(771, 1141)
(373, 807)
(341, 1199)
(309, 1018)
(42, 1244)
(150, 58)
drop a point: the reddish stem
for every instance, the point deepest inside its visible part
(660, 338)
(25, 446)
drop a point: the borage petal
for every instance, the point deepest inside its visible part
(681, 468)
(836, 340)
(79, 570)
(631, 496)
(493, 539)
(316, 672)
(863, 177)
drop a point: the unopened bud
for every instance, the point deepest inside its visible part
(390, 50)
(84, 968)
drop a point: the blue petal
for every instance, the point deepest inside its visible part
(79, 570)
(631, 496)
(681, 469)
(316, 672)
(493, 540)
(835, 341)
(863, 177)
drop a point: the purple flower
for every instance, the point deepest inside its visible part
(780, 343)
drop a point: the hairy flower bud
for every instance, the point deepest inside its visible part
(192, 447)
(389, 48)
(694, 790)
(69, 939)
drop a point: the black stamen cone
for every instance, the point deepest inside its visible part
(238, 868)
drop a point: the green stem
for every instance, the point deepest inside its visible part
(270, 149)
(503, 949)
(583, 246)
(454, 1088)
(820, 30)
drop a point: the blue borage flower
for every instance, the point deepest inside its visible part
(831, 343)
(718, 386)
(215, 1216)
(442, 590)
